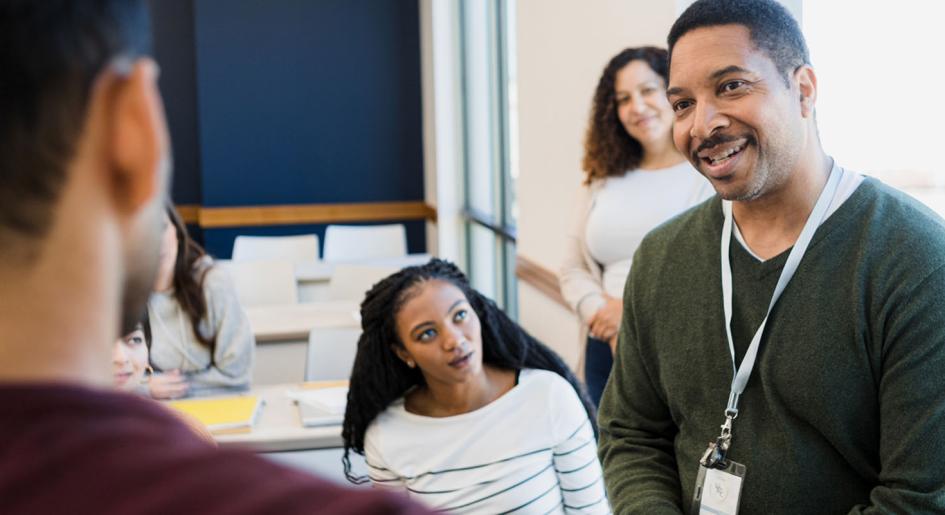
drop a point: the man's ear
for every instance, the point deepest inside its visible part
(807, 84)
(138, 139)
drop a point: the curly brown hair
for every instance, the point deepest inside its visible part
(608, 149)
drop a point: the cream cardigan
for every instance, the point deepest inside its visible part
(580, 276)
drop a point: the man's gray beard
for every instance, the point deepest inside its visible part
(752, 194)
(776, 175)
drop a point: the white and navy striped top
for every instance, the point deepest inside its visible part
(530, 451)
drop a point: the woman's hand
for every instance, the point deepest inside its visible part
(169, 385)
(605, 323)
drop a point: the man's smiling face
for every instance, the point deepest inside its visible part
(737, 118)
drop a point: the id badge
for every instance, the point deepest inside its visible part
(718, 490)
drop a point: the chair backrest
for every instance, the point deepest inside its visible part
(351, 282)
(263, 283)
(359, 242)
(303, 247)
(331, 353)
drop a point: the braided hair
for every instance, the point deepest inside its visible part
(379, 377)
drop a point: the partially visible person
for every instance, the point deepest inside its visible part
(453, 403)
(132, 372)
(130, 359)
(202, 341)
(634, 180)
(782, 345)
(84, 158)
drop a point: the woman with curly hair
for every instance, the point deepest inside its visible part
(453, 403)
(635, 179)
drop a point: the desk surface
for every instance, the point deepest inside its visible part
(295, 321)
(279, 427)
(322, 270)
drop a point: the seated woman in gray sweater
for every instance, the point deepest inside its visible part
(202, 343)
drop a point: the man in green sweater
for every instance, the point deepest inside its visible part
(843, 410)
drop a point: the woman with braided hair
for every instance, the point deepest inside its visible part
(455, 404)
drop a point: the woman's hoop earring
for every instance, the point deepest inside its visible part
(148, 372)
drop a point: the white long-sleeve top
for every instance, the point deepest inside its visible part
(612, 216)
(530, 451)
(175, 346)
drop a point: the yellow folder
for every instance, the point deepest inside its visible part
(222, 413)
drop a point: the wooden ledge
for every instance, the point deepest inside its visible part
(297, 214)
(540, 278)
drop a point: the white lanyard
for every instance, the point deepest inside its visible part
(743, 372)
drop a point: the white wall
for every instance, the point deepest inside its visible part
(563, 46)
(794, 6)
(442, 132)
(550, 323)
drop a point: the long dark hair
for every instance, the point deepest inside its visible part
(379, 377)
(189, 277)
(146, 329)
(608, 149)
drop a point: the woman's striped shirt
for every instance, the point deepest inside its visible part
(530, 451)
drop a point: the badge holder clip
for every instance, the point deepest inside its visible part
(718, 485)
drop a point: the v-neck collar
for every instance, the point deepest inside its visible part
(845, 213)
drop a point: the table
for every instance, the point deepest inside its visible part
(280, 436)
(313, 277)
(287, 322)
(279, 427)
(282, 336)
(321, 270)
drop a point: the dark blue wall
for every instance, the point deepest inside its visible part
(173, 24)
(292, 102)
(309, 101)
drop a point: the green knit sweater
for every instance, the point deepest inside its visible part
(845, 409)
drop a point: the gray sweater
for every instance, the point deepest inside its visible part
(845, 409)
(174, 345)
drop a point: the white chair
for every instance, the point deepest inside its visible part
(331, 353)
(351, 282)
(263, 283)
(303, 247)
(360, 242)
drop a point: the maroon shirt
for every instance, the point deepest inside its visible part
(68, 449)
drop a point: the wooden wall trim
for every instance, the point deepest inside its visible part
(189, 213)
(540, 278)
(243, 216)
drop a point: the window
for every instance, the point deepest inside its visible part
(878, 74)
(489, 171)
